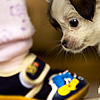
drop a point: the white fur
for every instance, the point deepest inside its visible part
(86, 34)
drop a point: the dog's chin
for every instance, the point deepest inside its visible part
(75, 51)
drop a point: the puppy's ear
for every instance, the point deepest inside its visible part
(48, 1)
(85, 8)
(53, 22)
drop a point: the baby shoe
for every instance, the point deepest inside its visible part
(33, 75)
(66, 86)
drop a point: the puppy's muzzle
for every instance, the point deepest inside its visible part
(71, 44)
(64, 43)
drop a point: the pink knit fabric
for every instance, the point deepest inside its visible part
(16, 29)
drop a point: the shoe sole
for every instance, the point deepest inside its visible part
(79, 95)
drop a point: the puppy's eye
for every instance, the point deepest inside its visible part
(74, 22)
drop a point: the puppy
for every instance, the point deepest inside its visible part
(79, 21)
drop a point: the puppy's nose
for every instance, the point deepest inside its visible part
(64, 43)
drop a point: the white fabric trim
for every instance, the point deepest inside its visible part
(29, 86)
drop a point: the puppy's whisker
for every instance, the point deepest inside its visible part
(52, 44)
(51, 49)
(55, 47)
(84, 58)
(89, 51)
(58, 55)
(67, 56)
(77, 57)
(94, 52)
(60, 52)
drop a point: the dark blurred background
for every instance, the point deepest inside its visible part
(47, 46)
